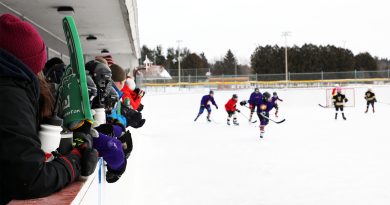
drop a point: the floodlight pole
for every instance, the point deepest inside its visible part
(285, 35)
(179, 58)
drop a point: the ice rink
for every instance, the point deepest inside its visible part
(309, 159)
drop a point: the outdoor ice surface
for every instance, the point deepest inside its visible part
(309, 159)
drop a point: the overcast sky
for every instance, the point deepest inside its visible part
(214, 26)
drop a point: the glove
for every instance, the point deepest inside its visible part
(113, 176)
(346, 100)
(216, 107)
(375, 100)
(139, 92)
(140, 107)
(127, 143)
(133, 118)
(89, 156)
(238, 110)
(115, 129)
(242, 103)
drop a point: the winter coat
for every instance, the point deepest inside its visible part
(131, 96)
(255, 98)
(206, 99)
(116, 112)
(24, 173)
(230, 106)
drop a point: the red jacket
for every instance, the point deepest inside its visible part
(231, 105)
(129, 95)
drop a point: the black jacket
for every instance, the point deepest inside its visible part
(24, 173)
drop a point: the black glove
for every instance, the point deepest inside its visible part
(346, 100)
(89, 156)
(242, 103)
(127, 143)
(140, 107)
(108, 129)
(238, 110)
(133, 118)
(375, 100)
(113, 175)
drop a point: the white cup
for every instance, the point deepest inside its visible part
(100, 116)
(50, 137)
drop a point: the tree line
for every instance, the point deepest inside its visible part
(265, 60)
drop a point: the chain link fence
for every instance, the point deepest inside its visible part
(188, 78)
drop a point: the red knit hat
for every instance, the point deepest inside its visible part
(23, 41)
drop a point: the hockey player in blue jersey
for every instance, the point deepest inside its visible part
(263, 111)
(275, 99)
(205, 104)
(254, 101)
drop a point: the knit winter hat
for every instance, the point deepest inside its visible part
(118, 74)
(23, 41)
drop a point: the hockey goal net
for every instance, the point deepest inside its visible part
(348, 92)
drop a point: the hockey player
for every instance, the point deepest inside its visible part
(275, 99)
(205, 104)
(370, 97)
(254, 101)
(263, 111)
(231, 109)
(338, 100)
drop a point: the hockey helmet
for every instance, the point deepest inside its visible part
(100, 73)
(256, 90)
(235, 96)
(211, 92)
(275, 94)
(266, 96)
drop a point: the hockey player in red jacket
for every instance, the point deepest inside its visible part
(231, 109)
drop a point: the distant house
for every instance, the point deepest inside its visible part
(149, 72)
(153, 72)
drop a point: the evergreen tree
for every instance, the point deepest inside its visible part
(364, 61)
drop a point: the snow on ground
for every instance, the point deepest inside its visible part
(309, 159)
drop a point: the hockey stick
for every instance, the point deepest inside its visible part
(277, 122)
(324, 106)
(247, 118)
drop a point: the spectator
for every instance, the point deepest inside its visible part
(132, 117)
(131, 95)
(25, 101)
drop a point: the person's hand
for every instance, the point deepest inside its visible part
(216, 107)
(243, 103)
(113, 176)
(238, 110)
(133, 118)
(82, 144)
(140, 107)
(127, 143)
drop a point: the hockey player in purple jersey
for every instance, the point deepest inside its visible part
(254, 101)
(263, 111)
(275, 99)
(205, 104)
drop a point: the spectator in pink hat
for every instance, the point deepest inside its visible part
(25, 101)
